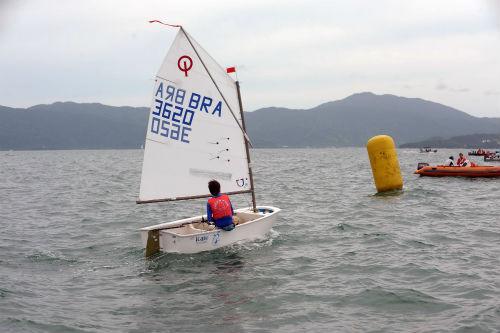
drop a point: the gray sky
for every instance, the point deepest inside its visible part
(295, 54)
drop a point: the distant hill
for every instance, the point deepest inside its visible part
(347, 122)
(355, 119)
(472, 141)
(72, 126)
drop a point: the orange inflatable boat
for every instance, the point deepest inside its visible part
(452, 171)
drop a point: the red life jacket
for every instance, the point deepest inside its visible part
(220, 206)
(460, 161)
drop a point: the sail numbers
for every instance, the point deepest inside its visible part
(174, 110)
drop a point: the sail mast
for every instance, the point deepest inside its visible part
(250, 174)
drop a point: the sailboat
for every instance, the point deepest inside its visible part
(196, 133)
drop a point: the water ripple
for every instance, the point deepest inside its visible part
(339, 258)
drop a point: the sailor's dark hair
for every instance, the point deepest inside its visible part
(214, 187)
(451, 157)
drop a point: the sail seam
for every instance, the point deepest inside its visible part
(164, 79)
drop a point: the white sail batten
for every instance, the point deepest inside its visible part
(192, 136)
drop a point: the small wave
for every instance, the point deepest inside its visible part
(49, 256)
(419, 244)
(388, 194)
(376, 235)
(421, 193)
(486, 234)
(26, 325)
(484, 320)
(347, 227)
(4, 292)
(267, 241)
(103, 267)
(422, 273)
(477, 294)
(399, 300)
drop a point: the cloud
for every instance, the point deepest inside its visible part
(444, 87)
(441, 86)
(460, 90)
(492, 92)
(294, 54)
(7, 7)
(495, 10)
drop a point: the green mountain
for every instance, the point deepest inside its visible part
(472, 141)
(355, 119)
(347, 122)
(72, 126)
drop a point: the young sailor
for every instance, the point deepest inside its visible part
(219, 208)
(467, 163)
(461, 159)
(449, 161)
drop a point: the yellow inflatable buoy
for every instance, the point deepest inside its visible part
(385, 164)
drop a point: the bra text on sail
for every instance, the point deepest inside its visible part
(174, 111)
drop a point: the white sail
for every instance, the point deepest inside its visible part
(192, 136)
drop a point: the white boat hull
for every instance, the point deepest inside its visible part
(188, 235)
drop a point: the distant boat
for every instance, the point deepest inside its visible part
(196, 133)
(428, 150)
(480, 152)
(493, 157)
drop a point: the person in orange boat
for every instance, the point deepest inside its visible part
(468, 163)
(449, 161)
(461, 159)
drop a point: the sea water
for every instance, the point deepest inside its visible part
(339, 258)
